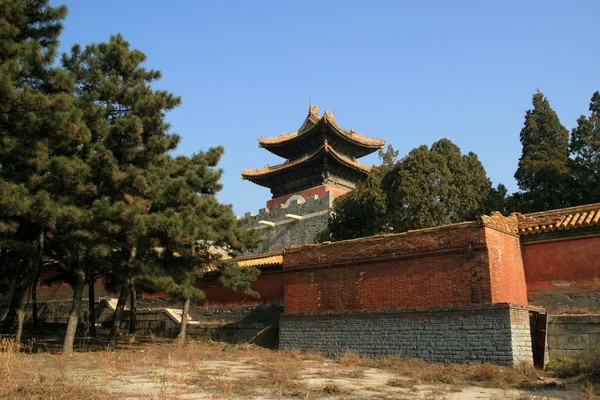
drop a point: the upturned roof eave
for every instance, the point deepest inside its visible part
(273, 143)
(325, 150)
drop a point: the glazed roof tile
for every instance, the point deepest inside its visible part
(267, 169)
(260, 260)
(560, 219)
(311, 120)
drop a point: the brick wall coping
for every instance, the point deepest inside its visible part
(487, 221)
(576, 319)
(375, 238)
(417, 310)
(387, 257)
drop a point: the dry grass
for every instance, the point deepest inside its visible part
(423, 372)
(18, 383)
(588, 367)
(402, 383)
(582, 374)
(220, 370)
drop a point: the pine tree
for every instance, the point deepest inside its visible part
(498, 200)
(543, 175)
(437, 186)
(37, 122)
(145, 200)
(361, 212)
(126, 119)
(428, 187)
(585, 149)
(194, 231)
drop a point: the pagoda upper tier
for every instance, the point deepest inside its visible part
(312, 134)
(320, 153)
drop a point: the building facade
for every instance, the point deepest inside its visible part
(320, 165)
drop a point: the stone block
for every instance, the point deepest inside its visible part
(574, 328)
(429, 336)
(569, 342)
(581, 354)
(594, 342)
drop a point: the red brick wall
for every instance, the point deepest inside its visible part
(506, 267)
(574, 262)
(319, 191)
(448, 266)
(61, 291)
(269, 286)
(438, 280)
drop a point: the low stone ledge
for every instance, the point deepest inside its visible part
(420, 310)
(576, 319)
(497, 333)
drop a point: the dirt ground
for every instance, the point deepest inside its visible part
(213, 370)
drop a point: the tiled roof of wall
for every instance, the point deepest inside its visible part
(555, 220)
(260, 260)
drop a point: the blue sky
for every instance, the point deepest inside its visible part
(407, 72)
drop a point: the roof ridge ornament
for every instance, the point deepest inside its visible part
(498, 221)
(313, 109)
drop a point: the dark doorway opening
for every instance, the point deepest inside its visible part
(538, 323)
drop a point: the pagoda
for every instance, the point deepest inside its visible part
(320, 157)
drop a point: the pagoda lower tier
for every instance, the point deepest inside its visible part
(304, 195)
(324, 166)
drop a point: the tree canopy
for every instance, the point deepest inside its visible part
(543, 174)
(88, 183)
(428, 187)
(38, 127)
(585, 150)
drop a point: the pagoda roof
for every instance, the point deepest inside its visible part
(267, 171)
(285, 144)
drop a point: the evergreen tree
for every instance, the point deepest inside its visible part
(145, 200)
(585, 149)
(428, 187)
(437, 186)
(194, 231)
(361, 212)
(129, 135)
(38, 123)
(543, 175)
(498, 200)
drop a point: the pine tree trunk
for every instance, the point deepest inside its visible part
(17, 310)
(12, 309)
(37, 265)
(20, 311)
(75, 311)
(118, 315)
(132, 312)
(92, 306)
(34, 306)
(184, 317)
(3, 316)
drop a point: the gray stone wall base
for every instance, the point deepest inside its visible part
(573, 336)
(499, 334)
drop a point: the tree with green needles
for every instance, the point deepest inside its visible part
(428, 187)
(543, 176)
(194, 231)
(435, 186)
(38, 127)
(129, 137)
(585, 151)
